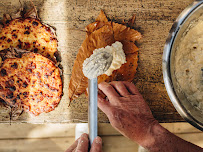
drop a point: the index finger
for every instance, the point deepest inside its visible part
(108, 90)
(83, 144)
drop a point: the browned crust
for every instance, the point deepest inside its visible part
(29, 34)
(32, 82)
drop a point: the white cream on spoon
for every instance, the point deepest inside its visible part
(104, 61)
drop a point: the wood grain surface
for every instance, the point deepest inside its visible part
(153, 19)
(58, 137)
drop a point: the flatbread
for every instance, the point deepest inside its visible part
(29, 34)
(32, 82)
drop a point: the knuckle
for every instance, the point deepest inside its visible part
(108, 88)
(117, 83)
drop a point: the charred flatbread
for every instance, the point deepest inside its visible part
(29, 34)
(32, 82)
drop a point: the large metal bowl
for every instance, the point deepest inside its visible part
(189, 112)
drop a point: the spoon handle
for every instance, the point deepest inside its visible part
(92, 111)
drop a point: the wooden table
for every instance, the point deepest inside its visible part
(154, 20)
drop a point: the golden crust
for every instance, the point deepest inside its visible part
(29, 34)
(32, 82)
(106, 33)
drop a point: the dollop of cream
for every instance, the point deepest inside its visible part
(104, 61)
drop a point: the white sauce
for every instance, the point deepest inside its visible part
(189, 64)
(104, 61)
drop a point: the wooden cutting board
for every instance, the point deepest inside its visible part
(153, 19)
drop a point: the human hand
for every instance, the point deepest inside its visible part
(82, 145)
(127, 111)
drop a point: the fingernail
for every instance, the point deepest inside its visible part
(98, 140)
(84, 135)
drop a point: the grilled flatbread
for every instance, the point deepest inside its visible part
(32, 82)
(29, 34)
(100, 34)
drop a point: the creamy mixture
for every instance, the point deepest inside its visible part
(189, 64)
(104, 61)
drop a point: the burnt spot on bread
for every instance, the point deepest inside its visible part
(34, 23)
(20, 43)
(14, 65)
(2, 38)
(9, 83)
(29, 70)
(18, 97)
(27, 32)
(13, 31)
(9, 40)
(19, 46)
(25, 93)
(12, 88)
(27, 45)
(27, 27)
(48, 29)
(14, 36)
(3, 72)
(25, 84)
(34, 81)
(9, 95)
(35, 50)
(1, 87)
(47, 86)
(32, 65)
(53, 39)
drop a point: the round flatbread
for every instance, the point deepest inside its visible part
(29, 34)
(32, 82)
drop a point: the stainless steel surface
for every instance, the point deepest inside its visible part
(92, 111)
(190, 113)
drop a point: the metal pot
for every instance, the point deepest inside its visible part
(189, 112)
